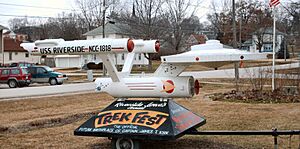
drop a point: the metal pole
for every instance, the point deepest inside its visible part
(284, 47)
(236, 68)
(103, 34)
(233, 24)
(299, 81)
(274, 37)
(275, 142)
(2, 46)
(240, 24)
(103, 20)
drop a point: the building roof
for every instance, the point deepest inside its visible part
(247, 42)
(12, 45)
(269, 30)
(2, 27)
(201, 38)
(110, 28)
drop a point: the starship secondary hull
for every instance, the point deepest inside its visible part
(149, 87)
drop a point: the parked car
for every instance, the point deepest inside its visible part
(15, 76)
(21, 64)
(44, 74)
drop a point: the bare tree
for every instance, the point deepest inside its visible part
(292, 20)
(17, 23)
(92, 11)
(66, 26)
(220, 19)
(256, 19)
(179, 13)
(144, 21)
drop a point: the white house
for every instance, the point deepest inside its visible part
(115, 30)
(267, 38)
(14, 53)
(111, 31)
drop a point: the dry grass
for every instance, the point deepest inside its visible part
(295, 71)
(25, 123)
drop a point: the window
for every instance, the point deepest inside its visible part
(5, 72)
(10, 56)
(16, 53)
(24, 71)
(15, 71)
(32, 70)
(140, 56)
(40, 70)
(26, 54)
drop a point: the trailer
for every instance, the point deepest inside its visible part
(127, 122)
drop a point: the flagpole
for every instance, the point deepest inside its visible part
(274, 40)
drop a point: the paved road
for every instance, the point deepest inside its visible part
(46, 90)
(6, 93)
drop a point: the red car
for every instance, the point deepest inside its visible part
(15, 76)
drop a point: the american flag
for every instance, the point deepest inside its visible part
(274, 3)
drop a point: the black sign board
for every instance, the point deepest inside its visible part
(141, 119)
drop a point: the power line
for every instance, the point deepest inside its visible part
(41, 17)
(20, 16)
(39, 7)
(120, 21)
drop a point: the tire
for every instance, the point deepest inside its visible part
(12, 83)
(124, 143)
(52, 81)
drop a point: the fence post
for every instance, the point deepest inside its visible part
(275, 138)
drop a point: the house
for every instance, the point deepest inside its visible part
(195, 39)
(266, 35)
(13, 35)
(13, 52)
(115, 30)
(111, 30)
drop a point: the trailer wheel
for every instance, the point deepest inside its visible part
(124, 143)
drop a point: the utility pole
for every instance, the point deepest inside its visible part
(234, 44)
(234, 24)
(241, 19)
(1, 45)
(274, 40)
(103, 35)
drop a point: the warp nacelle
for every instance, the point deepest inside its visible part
(82, 47)
(149, 87)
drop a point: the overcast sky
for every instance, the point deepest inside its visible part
(51, 8)
(42, 8)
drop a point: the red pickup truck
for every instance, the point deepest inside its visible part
(15, 76)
